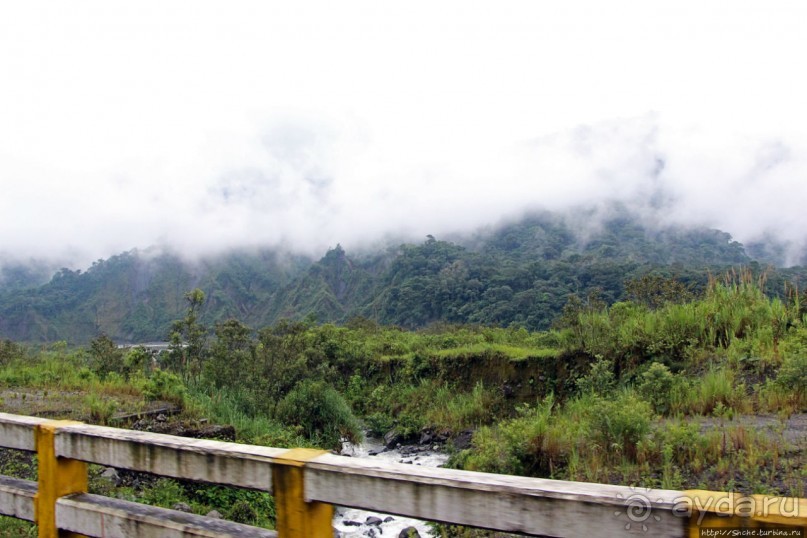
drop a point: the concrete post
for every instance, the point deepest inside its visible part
(297, 518)
(57, 477)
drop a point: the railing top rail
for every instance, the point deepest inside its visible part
(17, 431)
(485, 482)
(203, 460)
(223, 462)
(507, 503)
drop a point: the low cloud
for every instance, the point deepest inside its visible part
(201, 128)
(305, 185)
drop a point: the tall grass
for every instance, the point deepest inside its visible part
(455, 411)
(717, 388)
(734, 326)
(224, 406)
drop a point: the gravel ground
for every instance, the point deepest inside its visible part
(793, 428)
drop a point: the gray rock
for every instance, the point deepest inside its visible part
(182, 507)
(215, 514)
(372, 520)
(351, 523)
(388, 519)
(409, 532)
(463, 440)
(112, 475)
(392, 438)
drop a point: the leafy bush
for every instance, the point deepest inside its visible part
(106, 356)
(600, 380)
(101, 410)
(655, 386)
(10, 351)
(243, 512)
(514, 446)
(165, 492)
(379, 423)
(163, 385)
(320, 412)
(137, 360)
(620, 424)
(793, 374)
(240, 505)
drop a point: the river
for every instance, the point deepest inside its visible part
(353, 523)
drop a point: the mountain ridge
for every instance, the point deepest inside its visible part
(520, 274)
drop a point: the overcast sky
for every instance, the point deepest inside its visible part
(206, 125)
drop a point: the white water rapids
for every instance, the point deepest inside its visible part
(352, 523)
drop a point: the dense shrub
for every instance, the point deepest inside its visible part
(106, 357)
(793, 374)
(320, 412)
(655, 386)
(163, 385)
(515, 446)
(10, 351)
(600, 380)
(620, 424)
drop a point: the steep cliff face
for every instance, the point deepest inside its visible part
(332, 289)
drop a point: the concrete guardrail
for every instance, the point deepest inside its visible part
(307, 484)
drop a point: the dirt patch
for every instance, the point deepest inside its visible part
(43, 403)
(793, 429)
(73, 405)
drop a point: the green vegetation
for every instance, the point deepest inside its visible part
(320, 412)
(732, 353)
(518, 275)
(670, 389)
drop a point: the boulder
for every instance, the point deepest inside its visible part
(393, 438)
(409, 532)
(111, 475)
(182, 507)
(463, 440)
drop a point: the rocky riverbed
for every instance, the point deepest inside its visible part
(354, 523)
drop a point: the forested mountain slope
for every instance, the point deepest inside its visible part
(521, 273)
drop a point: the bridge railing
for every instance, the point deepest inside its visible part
(307, 484)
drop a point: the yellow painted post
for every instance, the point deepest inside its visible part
(297, 518)
(57, 477)
(781, 510)
(727, 510)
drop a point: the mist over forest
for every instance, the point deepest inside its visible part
(235, 149)
(519, 274)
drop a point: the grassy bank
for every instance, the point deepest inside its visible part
(685, 392)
